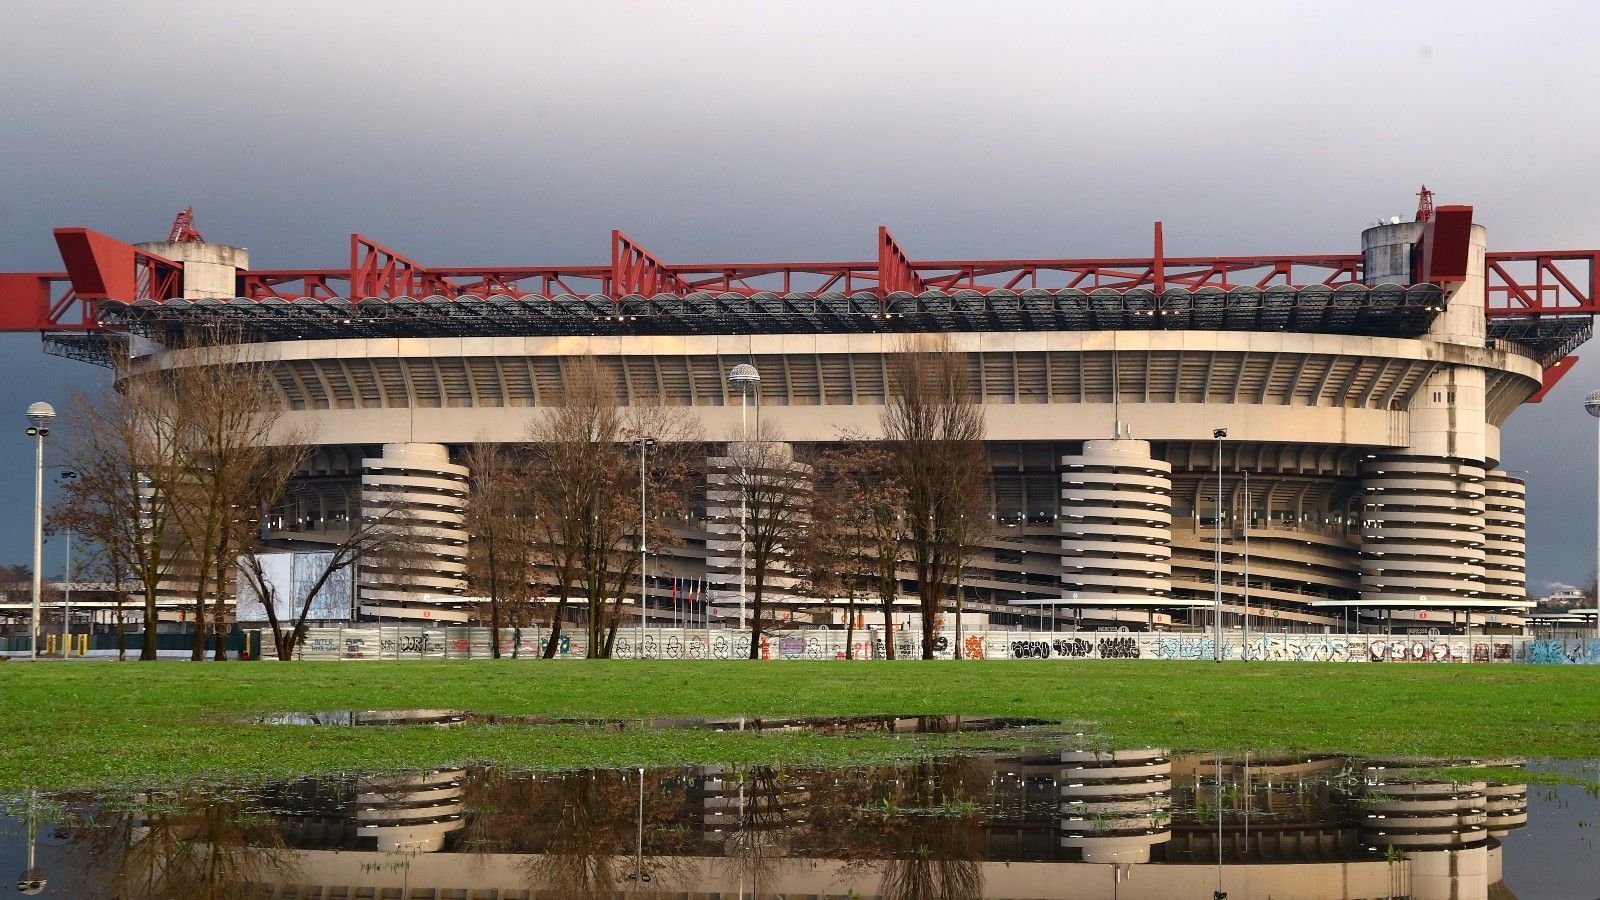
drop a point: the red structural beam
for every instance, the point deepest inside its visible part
(1521, 283)
(1543, 282)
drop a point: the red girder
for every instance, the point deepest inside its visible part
(634, 270)
(1523, 283)
(1543, 282)
(42, 301)
(377, 271)
(895, 272)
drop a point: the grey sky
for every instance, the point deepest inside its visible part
(519, 132)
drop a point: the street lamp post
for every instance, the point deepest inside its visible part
(40, 415)
(644, 444)
(1216, 614)
(66, 602)
(1245, 654)
(744, 378)
(1592, 404)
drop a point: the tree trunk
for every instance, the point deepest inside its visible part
(494, 602)
(122, 631)
(148, 650)
(850, 625)
(197, 652)
(494, 628)
(888, 626)
(930, 609)
(956, 649)
(755, 612)
(554, 641)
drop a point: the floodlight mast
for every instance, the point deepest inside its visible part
(40, 415)
(744, 378)
(1591, 404)
(1216, 613)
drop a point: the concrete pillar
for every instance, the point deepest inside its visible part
(209, 270)
(415, 490)
(1116, 523)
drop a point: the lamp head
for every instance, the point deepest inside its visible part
(743, 377)
(1592, 403)
(1219, 433)
(41, 414)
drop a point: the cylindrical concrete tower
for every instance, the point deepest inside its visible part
(415, 492)
(1504, 537)
(1422, 540)
(1116, 523)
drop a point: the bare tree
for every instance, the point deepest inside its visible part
(775, 491)
(231, 464)
(936, 429)
(500, 549)
(126, 449)
(852, 488)
(577, 448)
(379, 532)
(585, 499)
(670, 469)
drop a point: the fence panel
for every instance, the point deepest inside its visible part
(463, 642)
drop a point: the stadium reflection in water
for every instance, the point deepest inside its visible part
(1133, 823)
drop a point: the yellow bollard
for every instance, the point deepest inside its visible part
(83, 645)
(50, 645)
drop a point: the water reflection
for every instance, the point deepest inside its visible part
(1142, 822)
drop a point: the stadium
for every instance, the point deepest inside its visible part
(1310, 440)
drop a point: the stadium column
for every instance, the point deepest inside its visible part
(1116, 525)
(415, 491)
(1423, 517)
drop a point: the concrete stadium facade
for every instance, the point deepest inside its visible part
(1375, 496)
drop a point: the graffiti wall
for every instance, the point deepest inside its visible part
(419, 642)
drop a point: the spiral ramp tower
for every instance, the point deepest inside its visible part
(1116, 523)
(1504, 537)
(1422, 539)
(416, 493)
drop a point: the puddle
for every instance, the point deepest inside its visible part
(1138, 822)
(820, 725)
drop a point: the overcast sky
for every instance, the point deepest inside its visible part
(468, 133)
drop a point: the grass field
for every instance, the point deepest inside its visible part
(78, 725)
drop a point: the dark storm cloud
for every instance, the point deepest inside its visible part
(523, 132)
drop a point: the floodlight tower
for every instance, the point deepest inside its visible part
(40, 415)
(745, 379)
(1592, 404)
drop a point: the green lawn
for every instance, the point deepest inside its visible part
(98, 723)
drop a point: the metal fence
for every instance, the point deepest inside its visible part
(461, 642)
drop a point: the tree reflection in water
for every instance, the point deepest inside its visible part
(932, 842)
(189, 844)
(578, 829)
(757, 843)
